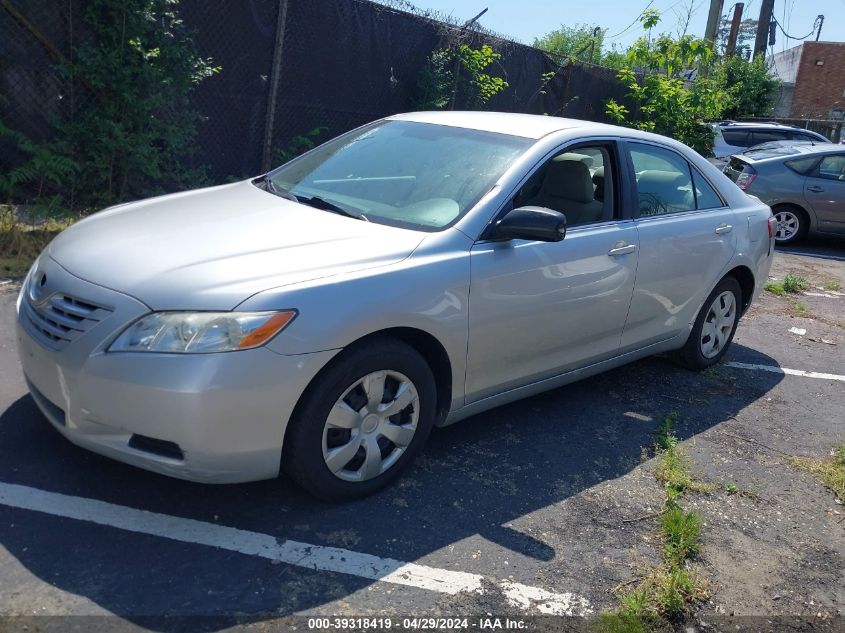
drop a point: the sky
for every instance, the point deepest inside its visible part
(523, 20)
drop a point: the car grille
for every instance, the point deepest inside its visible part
(61, 318)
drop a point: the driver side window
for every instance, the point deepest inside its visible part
(578, 182)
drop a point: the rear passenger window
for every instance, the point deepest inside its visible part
(705, 196)
(802, 165)
(765, 136)
(738, 138)
(664, 182)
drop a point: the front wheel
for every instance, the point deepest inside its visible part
(362, 421)
(714, 327)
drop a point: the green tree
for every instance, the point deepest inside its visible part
(745, 36)
(658, 75)
(751, 90)
(459, 75)
(139, 132)
(581, 42)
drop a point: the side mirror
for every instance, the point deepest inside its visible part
(531, 223)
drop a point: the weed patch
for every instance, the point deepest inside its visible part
(831, 471)
(669, 591)
(665, 435)
(794, 283)
(732, 489)
(21, 243)
(775, 288)
(710, 372)
(832, 284)
(682, 531)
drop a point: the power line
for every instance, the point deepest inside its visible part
(636, 19)
(792, 37)
(640, 15)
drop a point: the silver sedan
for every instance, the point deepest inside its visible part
(418, 270)
(804, 185)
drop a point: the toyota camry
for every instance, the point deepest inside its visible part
(321, 319)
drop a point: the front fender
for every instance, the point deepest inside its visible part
(429, 291)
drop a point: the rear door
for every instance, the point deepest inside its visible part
(824, 191)
(687, 238)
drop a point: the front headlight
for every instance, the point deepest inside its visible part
(24, 285)
(201, 332)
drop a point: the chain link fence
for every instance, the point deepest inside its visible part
(294, 72)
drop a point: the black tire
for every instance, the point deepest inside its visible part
(302, 456)
(691, 355)
(784, 213)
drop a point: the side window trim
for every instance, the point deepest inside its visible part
(692, 184)
(621, 195)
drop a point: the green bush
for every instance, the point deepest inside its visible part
(668, 103)
(129, 128)
(458, 75)
(751, 90)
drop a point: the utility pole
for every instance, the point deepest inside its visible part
(713, 20)
(767, 8)
(821, 24)
(730, 49)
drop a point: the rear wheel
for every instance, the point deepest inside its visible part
(714, 328)
(792, 224)
(362, 421)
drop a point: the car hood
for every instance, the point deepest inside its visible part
(210, 249)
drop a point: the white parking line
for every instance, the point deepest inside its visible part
(315, 557)
(783, 370)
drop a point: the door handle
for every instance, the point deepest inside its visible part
(815, 189)
(723, 228)
(625, 249)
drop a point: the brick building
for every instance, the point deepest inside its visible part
(813, 75)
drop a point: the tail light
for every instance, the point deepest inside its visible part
(773, 226)
(748, 175)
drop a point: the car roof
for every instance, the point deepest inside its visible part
(738, 125)
(792, 151)
(526, 125)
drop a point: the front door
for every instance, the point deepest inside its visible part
(539, 309)
(824, 191)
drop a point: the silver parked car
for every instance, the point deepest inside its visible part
(804, 185)
(410, 273)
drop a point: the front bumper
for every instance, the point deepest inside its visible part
(226, 412)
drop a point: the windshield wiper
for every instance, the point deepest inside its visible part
(313, 201)
(322, 203)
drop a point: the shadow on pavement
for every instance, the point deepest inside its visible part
(818, 247)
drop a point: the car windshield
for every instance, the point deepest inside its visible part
(414, 175)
